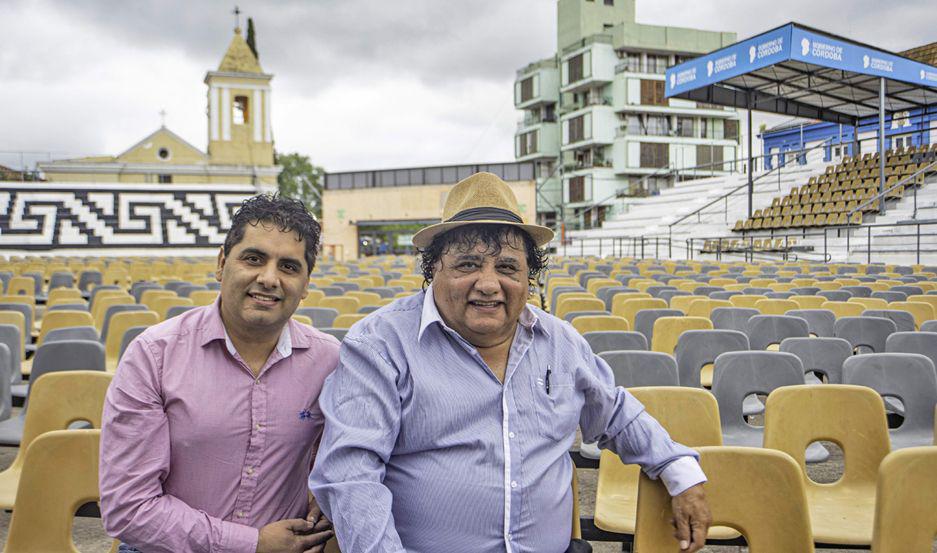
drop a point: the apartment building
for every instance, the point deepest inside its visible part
(595, 121)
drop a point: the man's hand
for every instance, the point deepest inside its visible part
(320, 522)
(691, 518)
(291, 536)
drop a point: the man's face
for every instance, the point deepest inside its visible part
(480, 295)
(263, 279)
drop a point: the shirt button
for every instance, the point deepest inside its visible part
(510, 434)
(258, 426)
(513, 484)
(240, 514)
(250, 470)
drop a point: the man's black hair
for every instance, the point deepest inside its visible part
(467, 237)
(286, 214)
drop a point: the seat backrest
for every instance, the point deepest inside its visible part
(903, 320)
(866, 334)
(696, 348)
(118, 308)
(851, 416)
(129, 336)
(606, 294)
(906, 492)
(118, 325)
(740, 373)
(921, 312)
(10, 337)
(835, 295)
(24, 310)
(322, 317)
(924, 343)
(820, 322)
(775, 306)
(6, 379)
(69, 355)
(732, 318)
(613, 340)
(823, 354)
(596, 323)
(910, 377)
(756, 491)
(101, 304)
(667, 331)
(72, 333)
(59, 476)
(724, 295)
(682, 303)
(929, 326)
(641, 368)
(644, 320)
(341, 304)
(61, 319)
(889, 296)
(702, 308)
(858, 291)
(764, 330)
(655, 291)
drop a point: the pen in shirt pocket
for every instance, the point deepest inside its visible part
(547, 379)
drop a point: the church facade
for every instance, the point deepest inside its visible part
(240, 140)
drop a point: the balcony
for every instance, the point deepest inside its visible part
(591, 66)
(544, 143)
(529, 121)
(537, 86)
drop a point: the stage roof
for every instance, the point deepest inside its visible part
(803, 72)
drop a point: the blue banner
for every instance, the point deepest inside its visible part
(792, 42)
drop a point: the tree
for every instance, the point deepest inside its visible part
(251, 37)
(302, 180)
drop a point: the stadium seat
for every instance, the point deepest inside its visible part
(614, 340)
(667, 331)
(697, 350)
(567, 305)
(902, 319)
(765, 331)
(843, 309)
(61, 319)
(628, 307)
(820, 322)
(596, 323)
(641, 368)
(808, 302)
(922, 312)
(819, 355)
(841, 513)
(747, 300)
(644, 320)
(865, 334)
(775, 306)
(910, 377)
(346, 320)
(757, 491)
(118, 325)
(732, 318)
(906, 491)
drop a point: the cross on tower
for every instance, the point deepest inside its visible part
(237, 17)
(162, 118)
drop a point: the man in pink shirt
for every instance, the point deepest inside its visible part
(211, 424)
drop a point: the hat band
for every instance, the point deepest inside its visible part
(485, 214)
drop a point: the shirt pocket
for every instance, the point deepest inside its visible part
(557, 412)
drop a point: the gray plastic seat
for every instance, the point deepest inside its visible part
(114, 309)
(615, 340)
(696, 348)
(322, 317)
(779, 295)
(655, 291)
(11, 338)
(174, 285)
(347, 286)
(573, 314)
(338, 333)
(586, 276)
(732, 318)
(820, 355)
(22, 308)
(562, 289)
(383, 291)
(71, 355)
(186, 291)
(805, 291)
(129, 336)
(668, 295)
(61, 279)
(641, 368)
(178, 310)
(724, 295)
(764, 330)
(368, 308)
(331, 291)
(606, 294)
(907, 290)
(911, 378)
(213, 285)
(866, 334)
(708, 290)
(902, 319)
(903, 270)
(890, 296)
(96, 289)
(835, 295)
(6, 375)
(69, 307)
(929, 326)
(645, 318)
(71, 333)
(752, 291)
(923, 343)
(858, 291)
(819, 321)
(139, 287)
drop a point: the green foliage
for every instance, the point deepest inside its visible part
(252, 38)
(302, 180)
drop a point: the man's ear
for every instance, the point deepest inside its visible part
(221, 260)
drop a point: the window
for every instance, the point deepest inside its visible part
(654, 155)
(574, 71)
(241, 110)
(609, 2)
(633, 61)
(731, 131)
(633, 125)
(577, 187)
(163, 154)
(652, 93)
(686, 127)
(527, 144)
(657, 64)
(577, 129)
(709, 158)
(165, 179)
(527, 89)
(607, 26)
(657, 125)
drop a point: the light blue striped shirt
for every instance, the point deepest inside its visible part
(424, 449)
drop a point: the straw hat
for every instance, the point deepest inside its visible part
(482, 198)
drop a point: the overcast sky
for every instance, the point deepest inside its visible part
(358, 84)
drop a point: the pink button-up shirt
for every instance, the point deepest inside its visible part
(196, 453)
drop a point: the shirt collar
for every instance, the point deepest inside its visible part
(430, 314)
(215, 330)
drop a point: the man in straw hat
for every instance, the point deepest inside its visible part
(449, 417)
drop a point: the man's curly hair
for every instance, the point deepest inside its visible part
(493, 236)
(286, 214)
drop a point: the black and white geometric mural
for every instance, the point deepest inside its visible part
(48, 216)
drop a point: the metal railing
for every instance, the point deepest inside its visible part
(883, 195)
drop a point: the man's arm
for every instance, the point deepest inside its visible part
(361, 404)
(134, 462)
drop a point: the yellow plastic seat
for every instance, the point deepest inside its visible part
(161, 305)
(667, 331)
(312, 299)
(853, 417)
(303, 319)
(870, 303)
(627, 308)
(844, 308)
(149, 296)
(775, 306)
(690, 416)
(344, 305)
(55, 401)
(828, 285)
(365, 298)
(921, 311)
(597, 323)
(61, 319)
(64, 295)
(203, 297)
(682, 303)
(905, 518)
(569, 305)
(597, 284)
(120, 323)
(746, 300)
(21, 286)
(703, 308)
(762, 282)
(100, 306)
(345, 320)
(60, 475)
(756, 491)
(808, 302)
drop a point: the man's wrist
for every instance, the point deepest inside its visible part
(681, 475)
